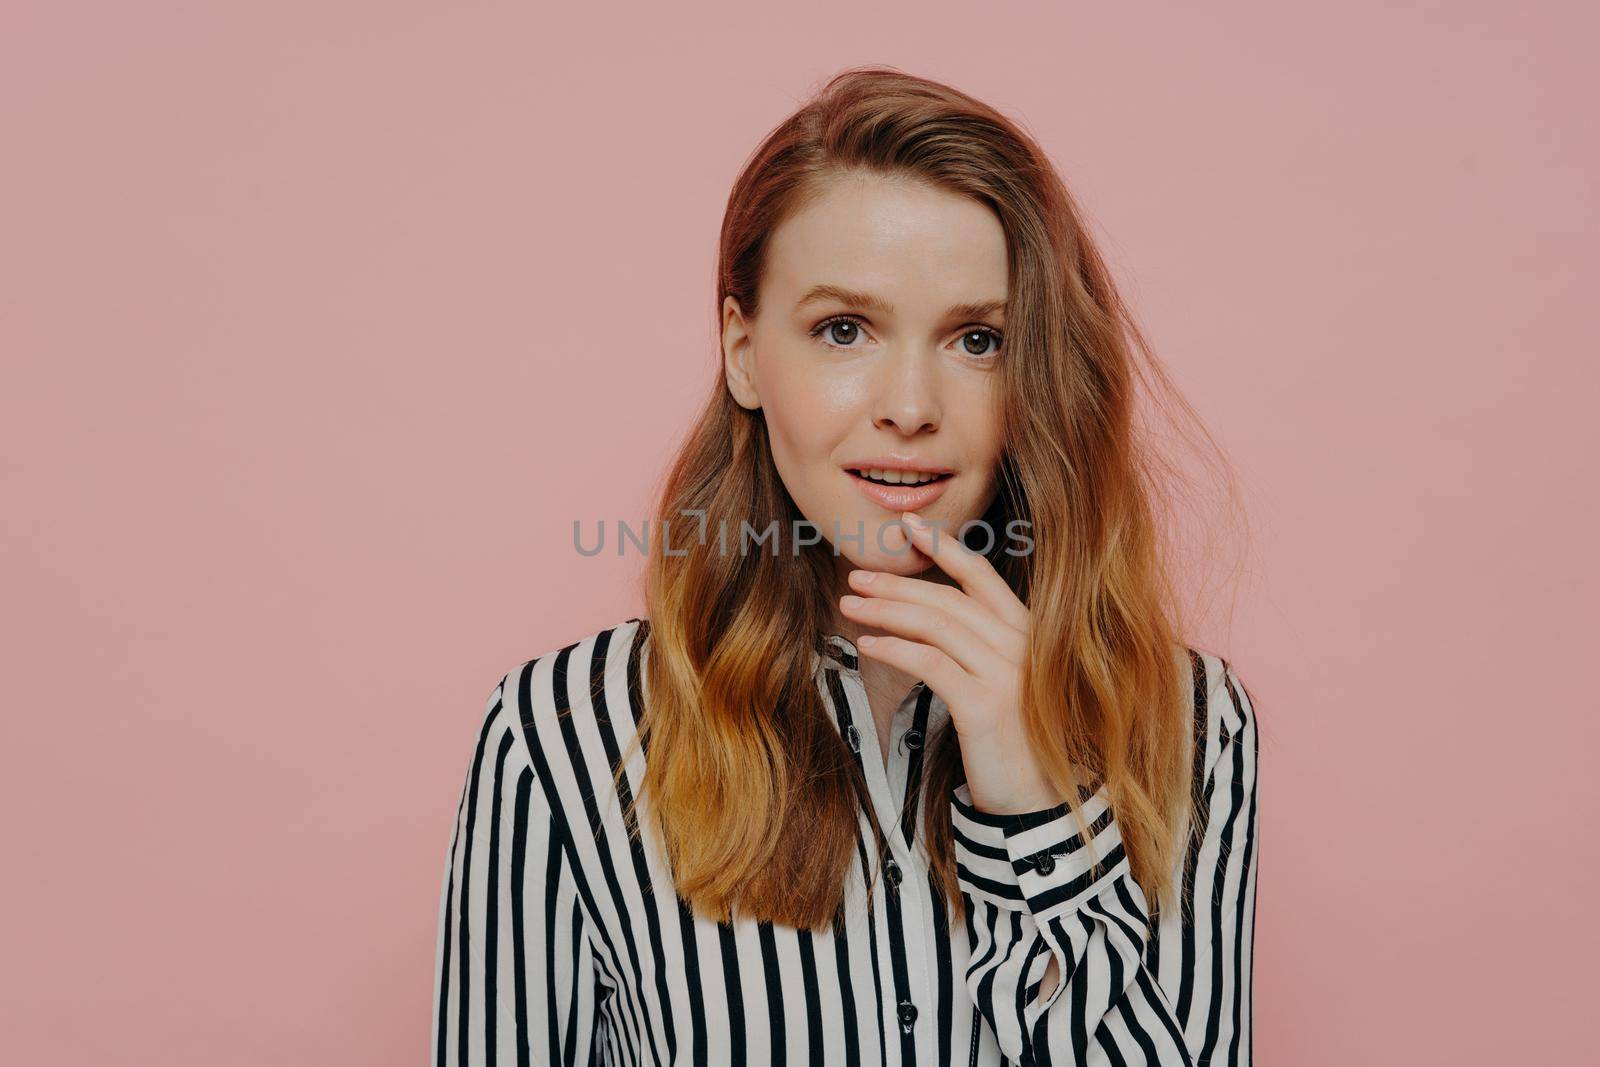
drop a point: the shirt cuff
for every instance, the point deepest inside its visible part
(1036, 861)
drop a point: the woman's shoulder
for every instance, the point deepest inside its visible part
(1224, 712)
(585, 688)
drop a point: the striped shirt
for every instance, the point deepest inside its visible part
(560, 939)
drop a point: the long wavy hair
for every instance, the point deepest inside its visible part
(753, 789)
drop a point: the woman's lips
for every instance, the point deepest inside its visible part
(899, 498)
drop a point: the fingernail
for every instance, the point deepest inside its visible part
(913, 519)
(864, 577)
(851, 601)
(865, 640)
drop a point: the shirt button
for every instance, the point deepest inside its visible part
(854, 737)
(893, 872)
(1045, 863)
(908, 1015)
(912, 739)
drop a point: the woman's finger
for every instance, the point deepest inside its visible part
(944, 676)
(974, 572)
(1004, 638)
(931, 626)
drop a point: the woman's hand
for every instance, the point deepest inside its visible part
(968, 645)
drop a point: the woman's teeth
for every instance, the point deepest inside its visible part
(888, 477)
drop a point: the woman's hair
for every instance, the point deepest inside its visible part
(756, 795)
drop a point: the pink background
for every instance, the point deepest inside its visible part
(322, 322)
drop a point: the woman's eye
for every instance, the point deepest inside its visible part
(841, 333)
(977, 342)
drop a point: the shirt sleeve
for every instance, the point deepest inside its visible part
(515, 974)
(1034, 897)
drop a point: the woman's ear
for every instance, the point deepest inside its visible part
(738, 356)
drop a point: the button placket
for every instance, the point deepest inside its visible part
(887, 782)
(904, 739)
(915, 896)
(864, 742)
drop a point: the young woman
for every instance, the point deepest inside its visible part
(860, 789)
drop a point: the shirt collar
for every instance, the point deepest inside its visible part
(842, 655)
(839, 653)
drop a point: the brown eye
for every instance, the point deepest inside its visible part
(839, 332)
(978, 342)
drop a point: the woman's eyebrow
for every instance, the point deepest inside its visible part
(818, 294)
(980, 310)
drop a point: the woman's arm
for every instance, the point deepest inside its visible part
(515, 976)
(1059, 957)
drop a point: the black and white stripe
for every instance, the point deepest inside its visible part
(561, 940)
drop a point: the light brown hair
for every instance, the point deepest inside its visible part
(755, 793)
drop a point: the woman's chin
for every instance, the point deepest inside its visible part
(888, 548)
(908, 562)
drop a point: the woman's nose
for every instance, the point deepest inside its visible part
(907, 394)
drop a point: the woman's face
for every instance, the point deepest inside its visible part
(874, 356)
